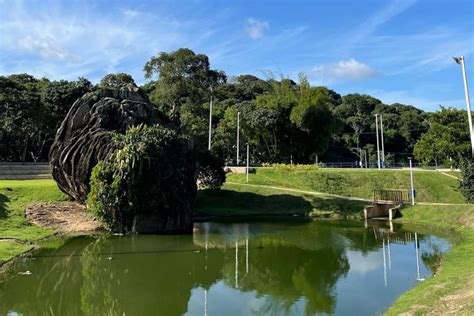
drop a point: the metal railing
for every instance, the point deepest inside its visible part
(397, 196)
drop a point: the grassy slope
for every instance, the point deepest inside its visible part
(14, 197)
(456, 275)
(237, 200)
(430, 186)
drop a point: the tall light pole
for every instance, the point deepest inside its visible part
(248, 160)
(377, 133)
(460, 61)
(238, 136)
(210, 121)
(383, 147)
(412, 189)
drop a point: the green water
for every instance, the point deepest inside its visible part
(321, 267)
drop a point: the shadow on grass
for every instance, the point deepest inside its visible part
(234, 203)
(336, 206)
(3, 210)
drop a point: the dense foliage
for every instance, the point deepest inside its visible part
(467, 181)
(211, 172)
(31, 111)
(283, 121)
(153, 172)
(447, 137)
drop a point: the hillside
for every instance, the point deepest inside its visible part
(430, 186)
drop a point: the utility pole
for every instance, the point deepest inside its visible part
(238, 136)
(383, 147)
(460, 61)
(412, 189)
(210, 121)
(248, 155)
(377, 133)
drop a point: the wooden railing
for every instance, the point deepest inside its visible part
(395, 196)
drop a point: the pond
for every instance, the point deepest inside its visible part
(296, 268)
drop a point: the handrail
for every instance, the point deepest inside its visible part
(396, 195)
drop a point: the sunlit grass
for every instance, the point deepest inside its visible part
(430, 186)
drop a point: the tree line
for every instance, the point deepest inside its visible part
(282, 120)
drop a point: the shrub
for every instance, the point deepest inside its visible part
(467, 182)
(297, 167)
(211, 171)
(152, 174)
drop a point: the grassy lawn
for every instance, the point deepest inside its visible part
(430, 186)
(238, 200)
(452, 289)
(14, 197)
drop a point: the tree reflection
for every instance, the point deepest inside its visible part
(288, 268)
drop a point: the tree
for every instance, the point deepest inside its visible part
(59, 96)
(182, 76)
(23, 119)
(312, 115)
(447, 137)
(467, 181)
(356, 112)
(185, 83)
(116, 80)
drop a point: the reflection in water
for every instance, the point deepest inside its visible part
(300, 268)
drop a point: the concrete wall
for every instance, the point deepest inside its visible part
(24, 171)
(381, 210)
(239, 169)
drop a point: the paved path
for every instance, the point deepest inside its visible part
(329, 194)
(449, 175)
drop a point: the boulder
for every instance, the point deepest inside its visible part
(85, 136)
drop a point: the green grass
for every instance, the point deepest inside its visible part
(456, 275)
(238, 200)
(14, 197)
(430, 186)
(8, 249)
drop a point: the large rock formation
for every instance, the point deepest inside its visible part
(86, 137)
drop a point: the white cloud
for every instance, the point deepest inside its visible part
(46, 47)
(362, 264)
(344, 70)
(256, 28)
(382, 16)
(76, 41)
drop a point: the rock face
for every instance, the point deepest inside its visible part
(85, 135)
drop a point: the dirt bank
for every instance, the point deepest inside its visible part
(64, 217)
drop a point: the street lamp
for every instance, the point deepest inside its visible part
(377, 133)
(210, 121)
(412, 189)
(460, 61)
(382, 142)
(238, 136)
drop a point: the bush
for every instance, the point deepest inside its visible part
(467, 182)
(211, 171)
(152, 174)
(286, 167)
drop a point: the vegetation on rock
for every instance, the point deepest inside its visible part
(148, 184)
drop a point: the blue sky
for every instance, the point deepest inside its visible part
(397, 51)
